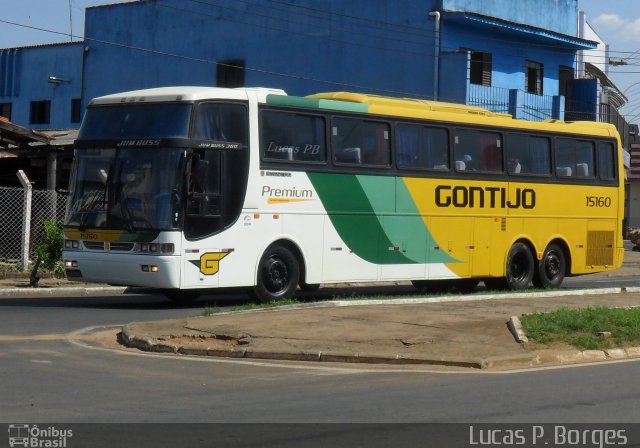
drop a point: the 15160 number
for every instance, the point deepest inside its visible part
(598, 201)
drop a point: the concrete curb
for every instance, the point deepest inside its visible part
(128, 338)
(438, 299)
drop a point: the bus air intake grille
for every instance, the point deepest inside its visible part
(122, 247)
(600, 248)
(93, 245)
(108, 246)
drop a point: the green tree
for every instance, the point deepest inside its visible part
(49, 251)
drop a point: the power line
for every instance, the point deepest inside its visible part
(315, 36)
(208, 61)
(423, 33)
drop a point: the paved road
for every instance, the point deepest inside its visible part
(47, 378)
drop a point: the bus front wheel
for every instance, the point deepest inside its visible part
(520, 267)
(551, 269)
(278, 275)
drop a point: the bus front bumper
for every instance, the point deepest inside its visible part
(123, 269)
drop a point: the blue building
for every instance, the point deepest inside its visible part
(514, 57)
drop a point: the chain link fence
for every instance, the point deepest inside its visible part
(45, 204)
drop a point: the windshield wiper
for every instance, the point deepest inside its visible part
(90, 208)
(127, 216)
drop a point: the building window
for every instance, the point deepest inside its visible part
(231, 73)
(565, 81)
(533, 76)
(76, 110)
(40, 112)
(5, 110)
(480, 68)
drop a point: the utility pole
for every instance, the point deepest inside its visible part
(70, 23)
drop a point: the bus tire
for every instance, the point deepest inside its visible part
(551, 268)
(520, 267)
(278, 275)
(181, 296)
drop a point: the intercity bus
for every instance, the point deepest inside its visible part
(186, 189)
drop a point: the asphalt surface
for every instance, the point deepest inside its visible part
(466, 331)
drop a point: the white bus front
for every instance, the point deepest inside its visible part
(149, 174)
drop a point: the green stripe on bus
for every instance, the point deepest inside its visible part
(361, 210)
(296, 101)
(293, 101)
(344, 106)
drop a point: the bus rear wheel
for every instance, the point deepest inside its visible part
(520, 267)
(551, 269)
(278, 275)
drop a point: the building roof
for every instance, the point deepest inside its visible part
(616, 97)
(55, 44)
(14, 136)
(532, 33)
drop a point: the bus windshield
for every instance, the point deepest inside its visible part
(128, 188)
(136, 121)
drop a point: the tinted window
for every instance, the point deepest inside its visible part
(360, 142)
(136, 121)
(420, 147)
(295, 137)
(477, 151)
(574, 158)
(223, 122)
(606, 161)
(528, 155)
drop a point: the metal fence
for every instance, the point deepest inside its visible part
(14, 219)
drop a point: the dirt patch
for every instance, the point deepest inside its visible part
(202, 342)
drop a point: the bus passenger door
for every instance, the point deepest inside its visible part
(481, 246)
(200, 268)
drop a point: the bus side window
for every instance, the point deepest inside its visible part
(527, 154)
(480, 151)
(356, 141)
(606, 161)
(574, 158)
(225, 122)
(292, 137)
(421, 147)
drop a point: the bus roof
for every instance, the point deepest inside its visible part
(459, 113)
(360, 102)
(183, 93)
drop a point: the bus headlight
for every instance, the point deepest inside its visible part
(167, 248)
(70, 264)
(71, 244)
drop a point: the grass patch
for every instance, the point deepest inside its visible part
(579, 327)
(250, 306)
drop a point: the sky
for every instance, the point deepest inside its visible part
(617, 22)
